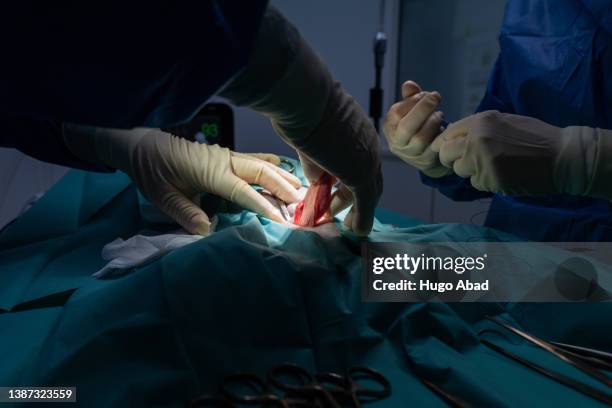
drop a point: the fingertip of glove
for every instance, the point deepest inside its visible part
(199, 226)
(409, 88)
(272, 158)
(411, 83)
(275, 216)
(294, 181)
(295, 196)
(436, 145)
(357, 226)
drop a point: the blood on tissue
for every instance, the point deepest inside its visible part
(313, 210)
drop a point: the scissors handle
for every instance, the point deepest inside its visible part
(355, 374)
(290, 370)
(333, 382)
(307, 385)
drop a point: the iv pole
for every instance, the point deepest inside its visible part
(379, 48)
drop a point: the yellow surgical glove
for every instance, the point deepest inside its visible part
(170, 171)
(523, 156)
(410, 127)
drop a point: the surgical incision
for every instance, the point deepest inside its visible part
(313, 210)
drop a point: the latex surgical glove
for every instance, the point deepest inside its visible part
(410, 127)
(170, 171)
(523, 156)
(289, 83)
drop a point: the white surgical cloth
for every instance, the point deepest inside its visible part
(140, 249)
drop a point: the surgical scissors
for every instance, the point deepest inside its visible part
(232, 394)
(300, 389)
(349, 387)
(259, 393)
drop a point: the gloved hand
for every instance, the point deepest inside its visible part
(411, 125)
(523, 156)
(288, 82)
(170, 171)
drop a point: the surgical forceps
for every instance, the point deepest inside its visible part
(586, 360)
(597, 358)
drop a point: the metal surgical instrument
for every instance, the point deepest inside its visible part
(578, 361)
(299, 388)
(284, 210)
(577, 358)
(598, 358)
(287, 165)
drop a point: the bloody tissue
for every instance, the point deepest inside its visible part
(313, 210)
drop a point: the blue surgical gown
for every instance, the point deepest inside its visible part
(114, 64)
(555, 64)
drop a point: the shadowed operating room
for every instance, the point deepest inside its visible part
(335, 204)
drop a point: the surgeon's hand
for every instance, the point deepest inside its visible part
(410, 127)
(519, 155)
(346, 145)
(288, 82)
(170, 171)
